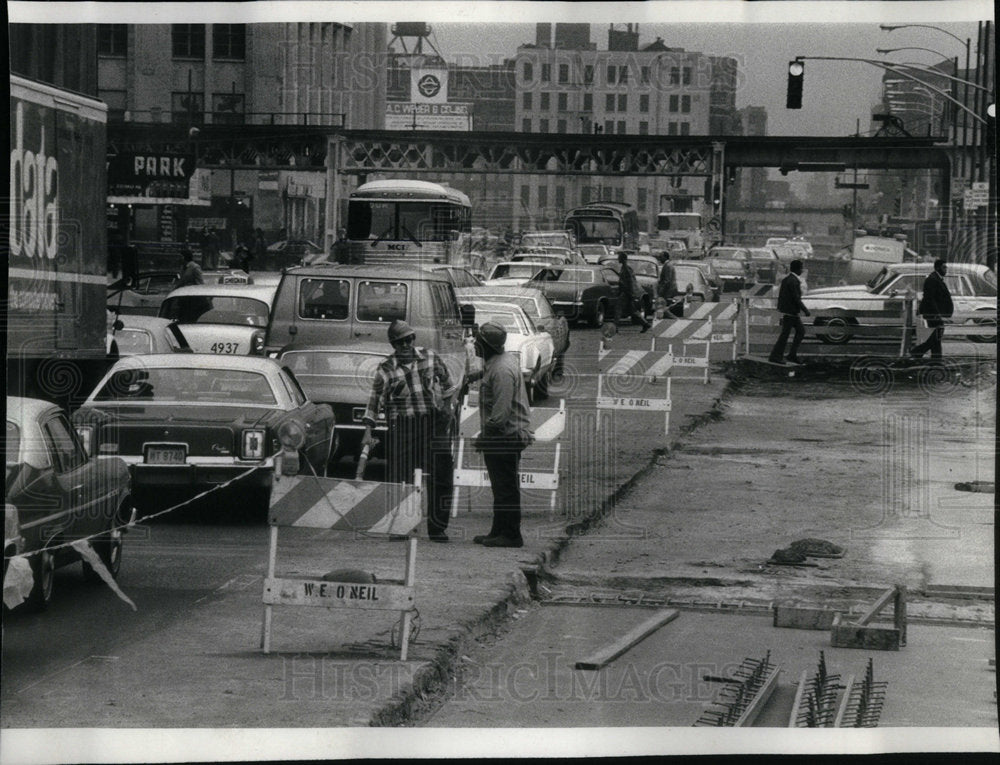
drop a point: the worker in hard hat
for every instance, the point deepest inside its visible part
(504, 433)
(414, 390)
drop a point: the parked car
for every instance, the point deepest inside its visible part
(60, 494)
(973, 289)
(768, 267)
(691, 280)
(593, 253)
(458, 276)
(341, 376)
(193, 421)
(514, 274)
(705, 267)
(226, 319)
(647, 273)
(733, 267)
(536, 305)
(580, 293)
(534, 346)
(287, 253)
(135, 334)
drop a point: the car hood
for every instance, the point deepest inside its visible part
(849, 290)
(728, 266)
(335, 389)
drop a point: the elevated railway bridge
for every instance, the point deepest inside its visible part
(495, 168)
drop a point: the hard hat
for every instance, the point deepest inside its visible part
(400, 329)
(493, 335)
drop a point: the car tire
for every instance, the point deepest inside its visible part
(108, 547)
(991, 322)
(599, 311)
(43, 573)
(542, 386)
(841, 334)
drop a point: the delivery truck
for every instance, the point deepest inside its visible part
(57, 322)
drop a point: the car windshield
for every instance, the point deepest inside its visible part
(185, 385)
(215, 309)
(729, 253)
(509, 320)
(133, 341)
(686, 274)
(526, 303)
(576, 276)
(988, 286)
(514, 270)
(644, 268)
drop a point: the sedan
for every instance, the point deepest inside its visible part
(221, 319)
(733, 267)
(341, 376)
(514, 274)
(134, 335)
(691, 282)
(536, 305)
(580, 293)
(193, 421)
(647, 272)
(973, 290)
(533, 346)
(594, 253)
(59, 493)
(459, 277)
(705, 267)
(767, 265)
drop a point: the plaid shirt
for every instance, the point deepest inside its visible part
(405, 390)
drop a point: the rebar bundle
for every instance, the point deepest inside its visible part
(865, 701)
(818, 706)
(739, 692)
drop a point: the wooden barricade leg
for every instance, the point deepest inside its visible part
(458, 466)
(899, 613)
(409, 577)
(272, 556)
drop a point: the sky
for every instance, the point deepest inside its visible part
(763, 36)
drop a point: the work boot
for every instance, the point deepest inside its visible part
(499, 541)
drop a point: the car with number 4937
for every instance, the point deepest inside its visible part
(189, 422)
(228, 319)
(56, 493)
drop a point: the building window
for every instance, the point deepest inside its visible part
(588, 102)
(643, 127)
(561, 126)
(672, 128)
(611, 75)
(622, 130)
(685, 104)
(644, 102)
(622, 75)
(526, 100)
(562, 101)
(543, 196)
(544, 105)
(585, 195)
(640, 200)
(686, 79)
(229, 41)
(675, 103)
(644, 75)
(588, 75)
(525, 196)
(620, 193)
(623, 102)
(609, 126)
(685, 128)
(675, 75)
(546, 72)
(525, 125)
(543, 126)
(115, 99)
(188, 40)
(112, 39)
(561, 197)
(188, 107)
(227, 108)
(529, 72)
(564, 73)
(609, 102)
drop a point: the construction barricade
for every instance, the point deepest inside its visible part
(708, 323)
(371, 507)
(623, 374)
(548, 425)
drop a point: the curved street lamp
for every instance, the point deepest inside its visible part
(892, 27)
(915, 47)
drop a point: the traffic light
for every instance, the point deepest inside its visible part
(796, 71)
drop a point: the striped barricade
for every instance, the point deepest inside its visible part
(708, 323)
(610, 397)
(373, 507)
(653, 364)
(548, 425)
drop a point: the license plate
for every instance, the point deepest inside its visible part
(166, 454)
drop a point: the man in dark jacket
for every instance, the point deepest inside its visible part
(935, 307)
(790, 305)
(631, 294)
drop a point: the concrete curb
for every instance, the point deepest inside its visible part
(434, 678)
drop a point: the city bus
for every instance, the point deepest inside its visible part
(407, 222)
(614, 224)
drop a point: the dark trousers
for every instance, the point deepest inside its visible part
(631, 307)
(788, 323)
(502, 467)
(423, 442)
(932, 343)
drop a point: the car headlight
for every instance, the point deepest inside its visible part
(252, 444)
(291, 434)
(86, 433)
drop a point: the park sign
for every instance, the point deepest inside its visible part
(149, 175)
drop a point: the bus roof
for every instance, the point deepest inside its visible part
(405, 188)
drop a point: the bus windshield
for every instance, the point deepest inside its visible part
(678, 222)
(597, 230)
(405, 221)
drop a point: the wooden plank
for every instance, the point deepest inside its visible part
(878, 605)
(838, 721)
(610, 652)
(759, 701)
(316, 592)
(800, 693)
(802, 618)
